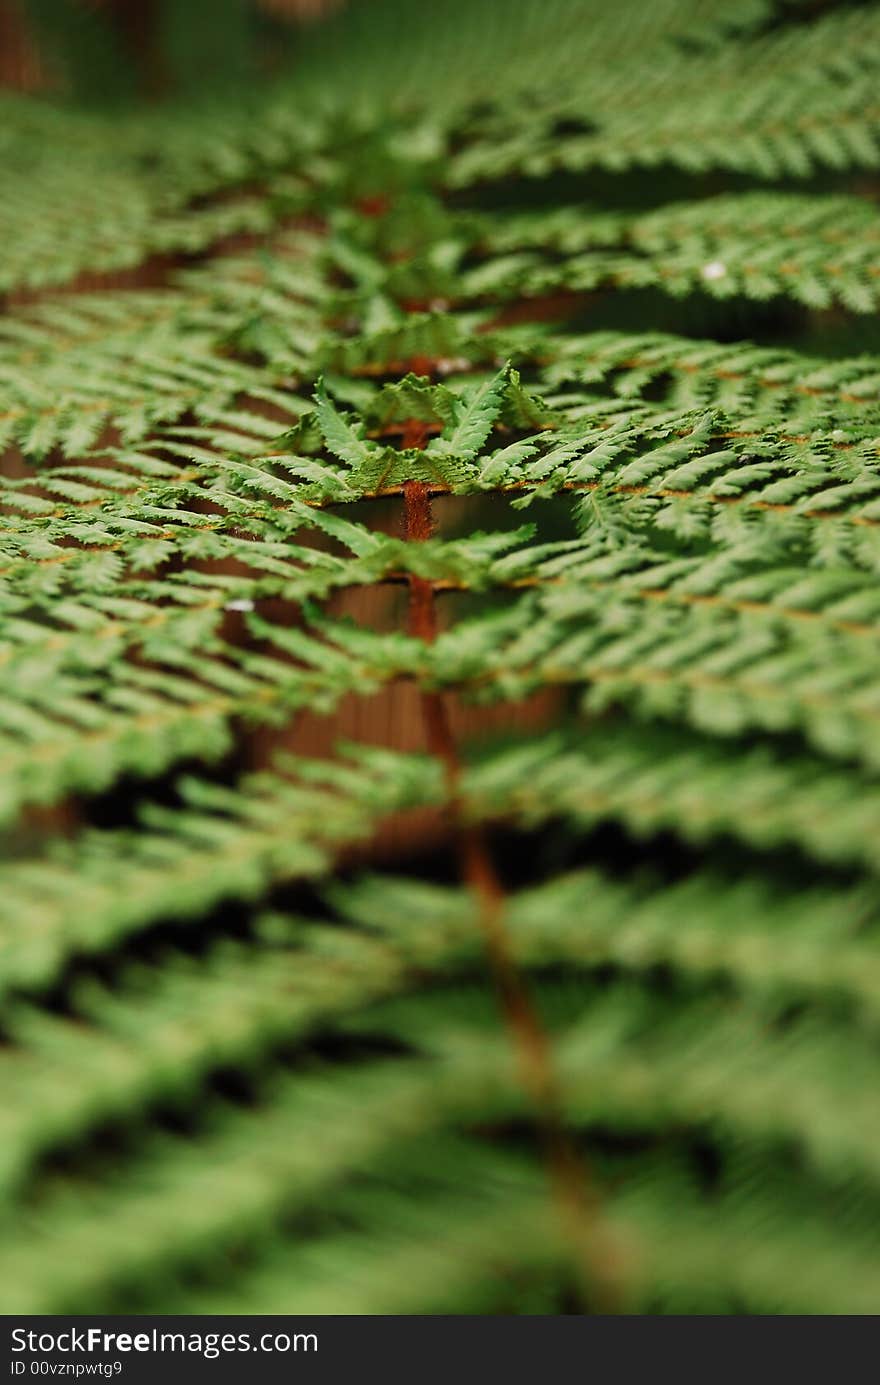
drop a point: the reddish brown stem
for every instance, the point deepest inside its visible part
(376, 205)
(569, 1182)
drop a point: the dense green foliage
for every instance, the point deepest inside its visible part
(601, 280)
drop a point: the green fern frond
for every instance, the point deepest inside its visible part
(438, 608)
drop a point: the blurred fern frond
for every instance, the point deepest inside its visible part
(440, 634)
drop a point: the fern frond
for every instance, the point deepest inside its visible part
(438, 605)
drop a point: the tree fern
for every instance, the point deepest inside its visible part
(440, 728)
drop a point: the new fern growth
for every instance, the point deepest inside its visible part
(440, 630)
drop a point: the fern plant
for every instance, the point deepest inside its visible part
(441, 632)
